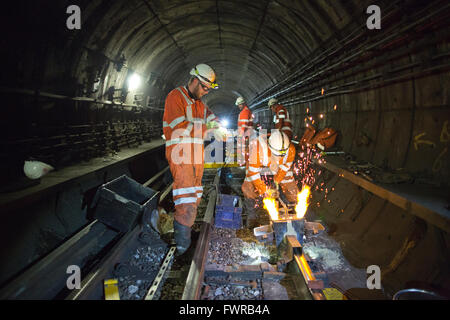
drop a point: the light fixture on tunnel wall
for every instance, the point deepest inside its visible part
(134, 81)
(225, 123)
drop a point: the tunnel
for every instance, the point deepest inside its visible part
(84, 86)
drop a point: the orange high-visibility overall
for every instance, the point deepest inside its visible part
(282, 120)
(245, 130)
(184, 126)
(259, 163)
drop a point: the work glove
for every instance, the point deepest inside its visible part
(212, 125)
(272, 193)
(220, 134)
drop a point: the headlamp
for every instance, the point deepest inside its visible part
(213, 85)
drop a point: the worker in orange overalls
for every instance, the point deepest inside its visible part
(281, 117)
(185, 122)
(245, 131)
(274, 155)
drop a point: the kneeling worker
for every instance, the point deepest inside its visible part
(278, 154)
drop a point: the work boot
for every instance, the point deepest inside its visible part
(182, 235)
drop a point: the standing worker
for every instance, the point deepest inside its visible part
(278, 154)
(245, 130)
(281, 117)
(185, 122)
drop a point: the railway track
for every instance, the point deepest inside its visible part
(222, 264)
(233, 264)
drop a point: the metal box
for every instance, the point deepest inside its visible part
(121, 202)
(228, 215)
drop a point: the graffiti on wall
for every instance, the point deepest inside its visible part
(444, 138)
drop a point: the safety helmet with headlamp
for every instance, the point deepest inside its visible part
(272, 102)
(278, 143)
(205, 74)
(239, 101)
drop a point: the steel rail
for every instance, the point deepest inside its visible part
(151, 180)
(415, 199)
(39, 282)
(89, 287)
(35, 282)
(192, 289)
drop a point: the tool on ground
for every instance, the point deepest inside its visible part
(323, 153)
(157, 282)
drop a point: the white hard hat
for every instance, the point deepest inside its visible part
(272, 102)
(36, 169)
(239, 101)
(278, 143)
(205, 74)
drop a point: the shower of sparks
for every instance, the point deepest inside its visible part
(271, 207)
(307, 174)
(303, 167)
(302, 202)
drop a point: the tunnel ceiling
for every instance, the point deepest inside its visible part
(249, 44)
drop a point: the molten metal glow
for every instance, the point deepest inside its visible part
(304, 267)
(302, 202)
(271, 207)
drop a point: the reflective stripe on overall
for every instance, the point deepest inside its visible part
(187, 188)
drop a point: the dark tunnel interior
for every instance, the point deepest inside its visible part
(78, 90)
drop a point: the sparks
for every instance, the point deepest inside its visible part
(271, 207)
(302, 202)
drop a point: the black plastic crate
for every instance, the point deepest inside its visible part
(122, 202)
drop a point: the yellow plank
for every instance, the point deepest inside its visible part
(333, 294)
(111, 289)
